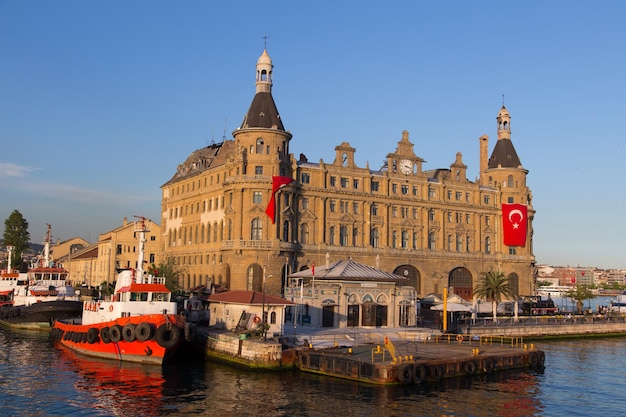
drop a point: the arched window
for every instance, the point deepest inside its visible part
(331, 235)
(304, 233)
(208, 232)
(355, 236)
(256, 229)
(286, 231)
(259, 145)
(405, 239)
(431, 240)
(343, 236)
(510, 181)
(431, 215)
(487, 245)
(374, 238)
(230, 230)
(394, 239)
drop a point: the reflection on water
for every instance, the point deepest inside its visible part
(38, 379)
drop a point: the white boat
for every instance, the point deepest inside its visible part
(559, 291)
(38, 297)
(618, 304)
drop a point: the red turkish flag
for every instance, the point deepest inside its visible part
(514, 224)
(277, 183)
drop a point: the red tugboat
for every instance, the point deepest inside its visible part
(139, 324)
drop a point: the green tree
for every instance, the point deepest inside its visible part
(493, 287)
(170, 272)
(16, 235)
(579, 294)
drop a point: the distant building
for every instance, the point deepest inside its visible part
(434, 227)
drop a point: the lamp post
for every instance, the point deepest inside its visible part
(264, 319)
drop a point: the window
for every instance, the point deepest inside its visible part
(431, 215)
(374, 238)
(450, 243)
(468, 241)
(486, 199)
(415, 191)
(394, 188)
(257, 197)
(512, 250)
(259, 145)
(355, 236)
(304, 203)
(333, 181)
(258, 170)
(333, 203)
(405, 239)
(487, 245)
(468, 218)
(355, 184)
(394, 211)
(405, 189)
(394, 239)
(449, 194)
(468, 197)
(286, 231)
(510, 200)
(432, 193)
(414, 213)
(414, 240)
(431, 240)
(458, 195)
(449, 217)
(375, 185)
(355, 208)
(305, 178)
(256, 232)
(459, 243)
(344, 182)
(374, 210)
(343, 236)
(331, 235)
(304, 233)
(487, 220)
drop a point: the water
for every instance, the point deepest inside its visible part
(581, 378)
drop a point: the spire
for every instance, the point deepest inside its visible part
(264, 73)
(504, 155)
(504, 123)
(263, 112)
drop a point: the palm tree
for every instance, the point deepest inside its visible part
(580, 294)
(493, 287)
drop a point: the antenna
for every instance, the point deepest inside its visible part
(265, 38)
(502, 99)
(225, 123)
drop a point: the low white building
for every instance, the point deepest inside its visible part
(349, 294)
(243, 310)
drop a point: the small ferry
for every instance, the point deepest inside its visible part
(138, 324)
(618, 304)
(558, 291)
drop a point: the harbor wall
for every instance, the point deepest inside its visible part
(249, 352)
(571, 329)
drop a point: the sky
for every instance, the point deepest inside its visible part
(100, 101)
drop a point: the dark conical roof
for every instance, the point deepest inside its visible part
(504, 155)
(263, 113)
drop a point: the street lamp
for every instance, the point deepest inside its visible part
(264, 320)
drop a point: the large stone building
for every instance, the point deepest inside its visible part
(435, 227)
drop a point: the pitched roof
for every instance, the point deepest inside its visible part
(349, 270)
(248, 298)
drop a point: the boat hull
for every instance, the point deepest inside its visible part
(149, 339)
(39, 316)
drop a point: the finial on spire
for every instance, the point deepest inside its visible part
(502, 99)
(265, 38)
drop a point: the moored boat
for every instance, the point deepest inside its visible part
(33, 300)
(138, 324)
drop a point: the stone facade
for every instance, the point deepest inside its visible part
(435, 227)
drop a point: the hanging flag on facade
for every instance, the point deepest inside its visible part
(514, 224)
(277, 183)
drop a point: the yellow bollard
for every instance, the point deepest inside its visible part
(350, 350)
(336, 344)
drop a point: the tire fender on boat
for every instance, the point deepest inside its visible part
(167, 335)
(115, 333)
(419, 373)
(437, 371)
(128, 332)
(105, 335)
(470, 367)
(92, 335)
(489, 365)
(144, 331)
(190, 332)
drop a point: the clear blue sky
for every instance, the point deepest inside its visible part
(101, 100)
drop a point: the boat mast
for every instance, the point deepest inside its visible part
(143, 229)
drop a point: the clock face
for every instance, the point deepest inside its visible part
(406, 166)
